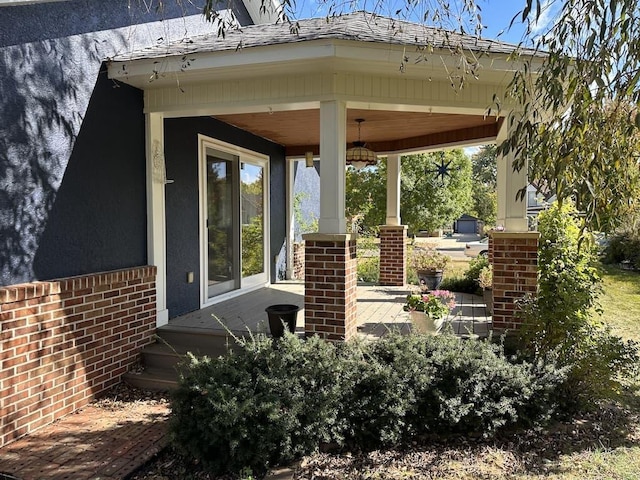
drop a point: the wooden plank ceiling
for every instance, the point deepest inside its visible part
(382, 131)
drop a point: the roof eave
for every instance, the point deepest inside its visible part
(313, 55)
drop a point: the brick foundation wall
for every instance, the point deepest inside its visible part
(515, 272)
(393, 255)
(64, 342)
(298, 260)
(330, 286)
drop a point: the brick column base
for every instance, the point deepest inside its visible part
(515, 272)
(393, 255)
(330, 286)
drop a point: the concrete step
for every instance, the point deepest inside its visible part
(212, 343)
(161, 360)
(160, 356)
(155, 381)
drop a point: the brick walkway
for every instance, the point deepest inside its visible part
(98, 442)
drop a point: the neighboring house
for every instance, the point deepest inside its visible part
(129, 138)
(538, 200)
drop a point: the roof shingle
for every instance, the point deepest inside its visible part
(358, 26)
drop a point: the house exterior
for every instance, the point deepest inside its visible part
(77, 286)
(147, 167)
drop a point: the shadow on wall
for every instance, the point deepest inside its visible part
(45, 90)
(98, 220)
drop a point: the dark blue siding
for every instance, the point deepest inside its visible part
(98, 219)
(72, 160)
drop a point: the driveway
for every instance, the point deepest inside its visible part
(452, 246)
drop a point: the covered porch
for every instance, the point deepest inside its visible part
(304, 93)
(379, 310)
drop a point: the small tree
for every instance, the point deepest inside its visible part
(559, 324)
(427, 201)
(484, 175)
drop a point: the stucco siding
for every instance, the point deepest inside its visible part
(72, 159)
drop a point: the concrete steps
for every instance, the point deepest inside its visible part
(160, 361)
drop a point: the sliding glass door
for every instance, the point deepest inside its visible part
(234, 203)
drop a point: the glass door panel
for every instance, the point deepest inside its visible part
(221, 223)
(252, 219)
(234, 218)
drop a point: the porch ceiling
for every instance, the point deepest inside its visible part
(269, 81)
(383, 131)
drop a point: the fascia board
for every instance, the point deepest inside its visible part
(316, 55)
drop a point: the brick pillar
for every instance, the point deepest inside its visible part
(298, 260)
(393, 255)
(330, 285)
(515, 272)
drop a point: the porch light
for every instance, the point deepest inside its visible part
(308, 159)
(360, 156)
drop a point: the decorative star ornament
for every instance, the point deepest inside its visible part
(442, 170)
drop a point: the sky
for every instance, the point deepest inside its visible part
(496, 14)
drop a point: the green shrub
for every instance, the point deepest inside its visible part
(268, 403)
(468, 283)
(469, 387)
(460, 285)
(475, 267)
(623, 246)
(368, 245)
(369, 269)
(559, 322)
(276, 400)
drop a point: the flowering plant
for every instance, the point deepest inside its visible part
(428, 259)
(436, 304)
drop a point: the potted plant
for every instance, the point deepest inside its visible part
(485, 280)
(428, 310)
(429, 265)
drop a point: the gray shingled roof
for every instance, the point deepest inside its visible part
(358, 26)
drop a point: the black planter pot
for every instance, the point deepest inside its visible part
(430, 279)
(282, 313)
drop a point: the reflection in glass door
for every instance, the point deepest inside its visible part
(221, 226)
(252, 215)
(234, 210)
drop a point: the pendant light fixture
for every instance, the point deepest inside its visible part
(360, 156)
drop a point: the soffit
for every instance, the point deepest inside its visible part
(382, 130)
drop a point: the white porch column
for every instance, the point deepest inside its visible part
(333, 139)
(156, 236)
(393, 190)
(512, 213)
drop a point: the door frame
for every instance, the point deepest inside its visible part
(247, 156)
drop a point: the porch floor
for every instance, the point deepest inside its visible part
(379, 311)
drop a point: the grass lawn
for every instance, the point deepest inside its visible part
(621, 302)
